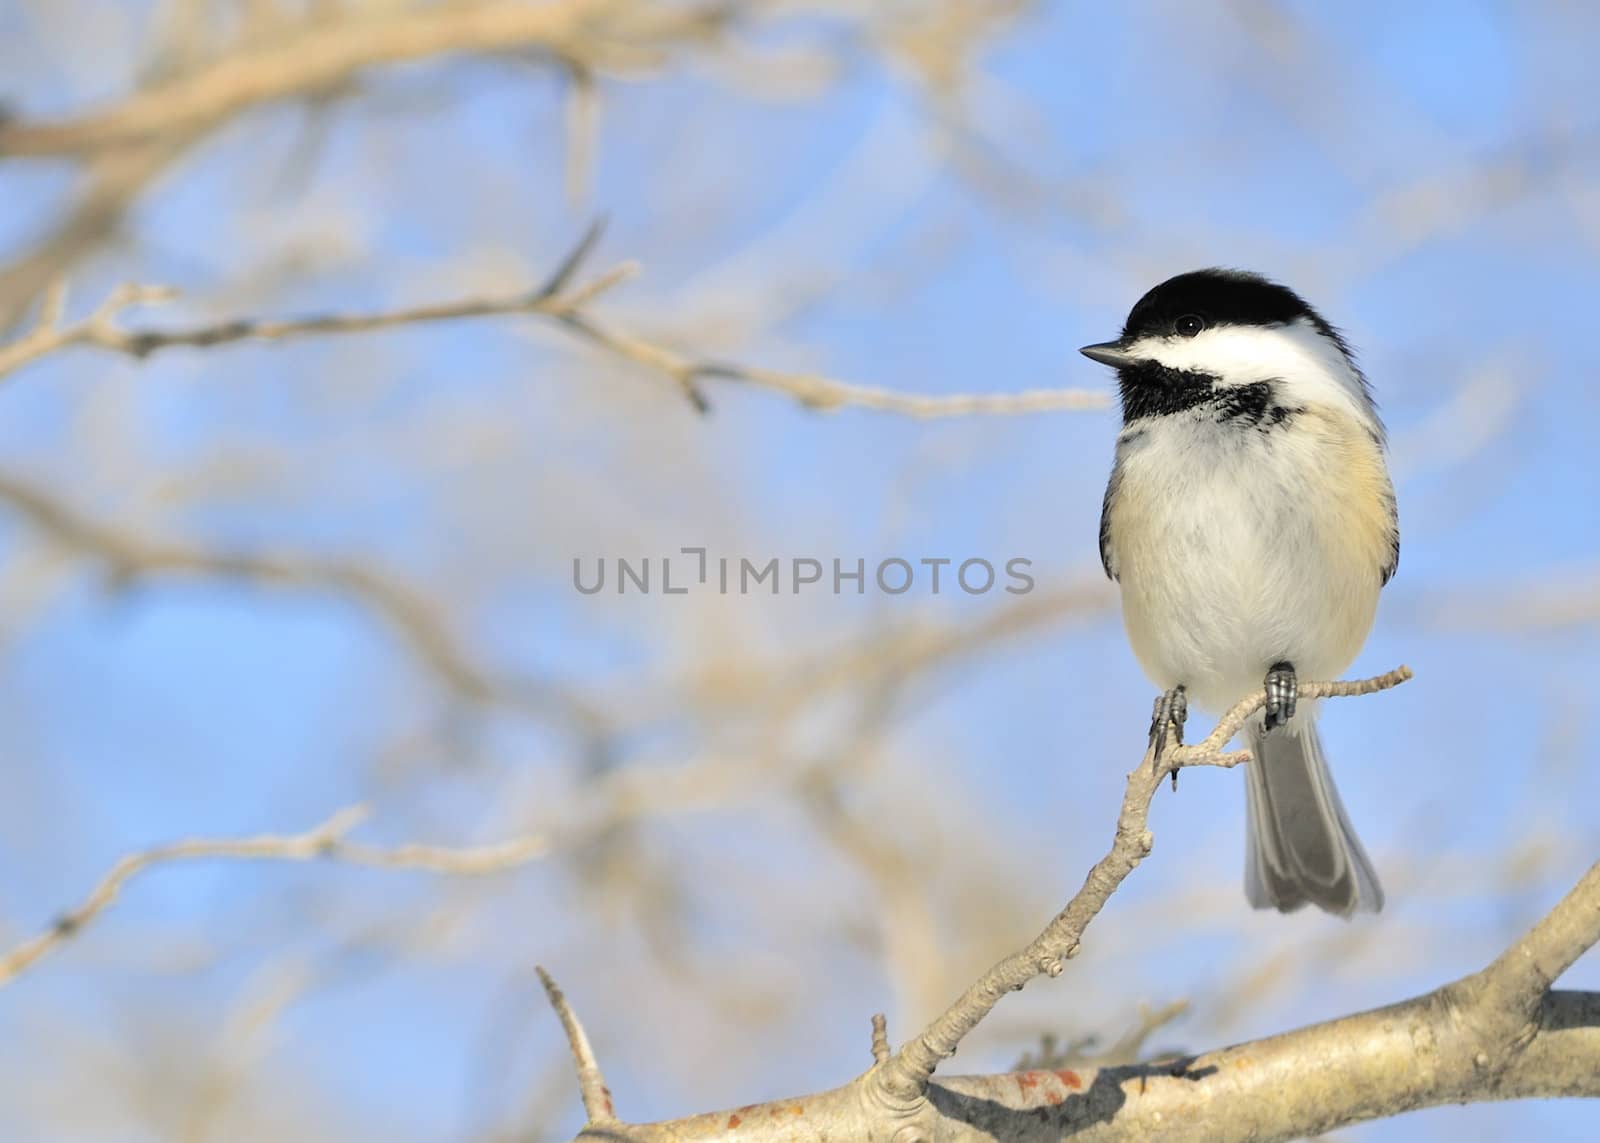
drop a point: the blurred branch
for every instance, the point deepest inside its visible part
(898, 652)
(327, 51)
(417, 619)
(107, 189)
(323, 842)
(899, 649)
(126, 146)
(1126, 1049)
(904, 920)
(1559, 599)
(49, 335)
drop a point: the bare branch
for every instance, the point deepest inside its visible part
(905, 1078)
(1373, 1064)
(1346, 1071)
(562, 276)
(1451, 1045)
(322, 842)
(50, 334)
(823, 393)
(1568, 931)
(1501, 1003)
(100, 331)
(880, 1038)
(591, 1082)
(553, 301)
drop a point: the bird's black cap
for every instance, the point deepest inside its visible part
(1218, 297)
(1222, 297)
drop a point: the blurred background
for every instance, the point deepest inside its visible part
(247, 585)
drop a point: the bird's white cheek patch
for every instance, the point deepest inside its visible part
(1306, 366)
(1235, 355)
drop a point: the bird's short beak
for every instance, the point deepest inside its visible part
(1108, 353)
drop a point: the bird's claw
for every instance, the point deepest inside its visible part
(1170, 713)
(1282, 690)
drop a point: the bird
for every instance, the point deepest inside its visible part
(1250, 524)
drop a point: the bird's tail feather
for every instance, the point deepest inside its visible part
(1302, 847)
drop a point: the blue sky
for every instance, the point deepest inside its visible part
(1426, 173)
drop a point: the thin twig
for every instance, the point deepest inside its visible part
(824, 394)
(1233, 721)
(100, 331)
(591, 1082)
(322, 842)
(904, 1079)
(1130, 1046)
(553, 301)
(880, 1038)
(49, 334)
(1053, 1053)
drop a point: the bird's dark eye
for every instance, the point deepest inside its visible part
(1189, 325)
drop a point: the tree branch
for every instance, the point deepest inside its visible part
(1301, 1083)
(1451, 1045)
(1568, 931)
(823, 393)
(1446, 1046)
(325, 53)
(100, 330)
(904, 1079)
(591, 1082)
(554, 300)
(325, 842)
(1502, 1002)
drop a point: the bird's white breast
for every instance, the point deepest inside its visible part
(1237, 546)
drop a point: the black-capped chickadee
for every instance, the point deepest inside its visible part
(1250, 523)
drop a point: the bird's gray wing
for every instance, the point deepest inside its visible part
(1107, 558)
(1394, 536)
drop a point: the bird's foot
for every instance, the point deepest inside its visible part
(1283, 688)
(1170, 713)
